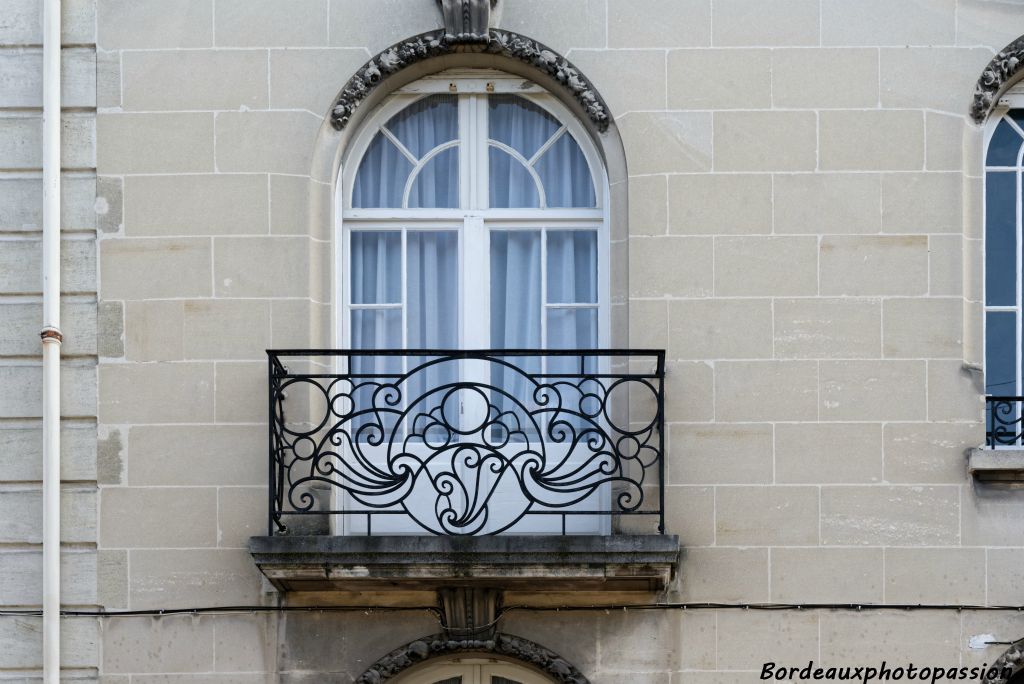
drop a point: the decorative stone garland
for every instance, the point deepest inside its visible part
(1012, 658)
(440, 645)
(1003, 67)
(437, 43)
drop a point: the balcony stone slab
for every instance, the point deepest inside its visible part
(642, 563)
(997, 465)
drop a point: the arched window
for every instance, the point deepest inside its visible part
(473, 216)
(1004, 297)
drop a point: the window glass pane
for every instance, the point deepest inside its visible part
(571, 329)
(374, 329)
(1018, 116)
(1000, 238)
(453, 680)
(433, 288)
(382, 175)
(515, 289)
(376, 267)
(377, 329)
(565, 174)
(427, 123)
(572, 267)
(520, 124)
(437, 183)
(515, 319)
(1000, 353)
(512, 186)
(1004, 146)
(384, 170)
(503, 680)
(433, 316)
(376, 264)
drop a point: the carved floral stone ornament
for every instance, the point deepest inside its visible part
(996, 76)
(440, 645)
(1012, 659)
(439, 43)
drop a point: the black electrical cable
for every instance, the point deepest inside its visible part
(158, 612)
(775, 606)
(218, 610)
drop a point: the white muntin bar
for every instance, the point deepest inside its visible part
(51, 337)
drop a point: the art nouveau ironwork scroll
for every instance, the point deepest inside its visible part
(466, 442)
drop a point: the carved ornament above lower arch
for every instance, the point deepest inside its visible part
(438, 646)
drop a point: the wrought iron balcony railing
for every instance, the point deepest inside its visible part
(466, 442)
(1004, 422)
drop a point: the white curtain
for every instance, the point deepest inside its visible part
(516, 310)
(384, 171)
(572, 280)
(431, 303)
(517, 306)
(376, 280)
(563, 170)
(517, 267)
(432, 282)
(515, 290)
(376, 287)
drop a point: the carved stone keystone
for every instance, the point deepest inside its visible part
(467, 21)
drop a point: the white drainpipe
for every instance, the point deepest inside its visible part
(51, 336)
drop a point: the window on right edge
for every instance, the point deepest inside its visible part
(1004, 315)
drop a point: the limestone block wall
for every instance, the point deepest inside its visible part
(21, 201)
(609, 647)
(205, 155)
(804, 241)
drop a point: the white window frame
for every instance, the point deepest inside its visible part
(474, 221)
(1013, 99)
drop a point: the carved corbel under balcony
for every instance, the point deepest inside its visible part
(469, 612)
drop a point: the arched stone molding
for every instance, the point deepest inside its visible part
(527, 59)
(439, 43)
(437, 646)
(1012, 659)
(1000, 74)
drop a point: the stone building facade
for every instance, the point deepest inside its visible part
(797, 212)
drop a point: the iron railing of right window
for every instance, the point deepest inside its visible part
(1004, 422)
